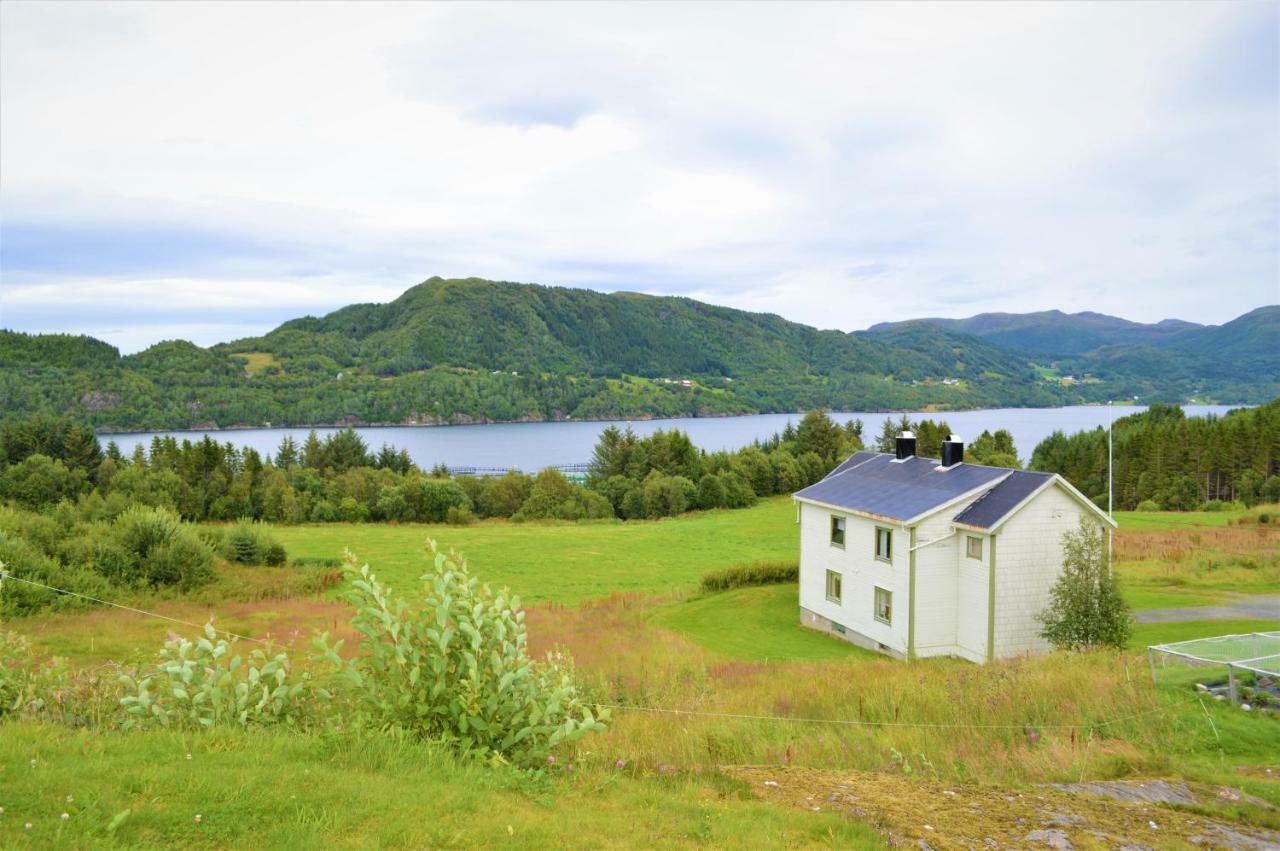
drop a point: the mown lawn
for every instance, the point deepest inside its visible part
(1146, 634)
(568, 562)
(760, 624)
(229, 788)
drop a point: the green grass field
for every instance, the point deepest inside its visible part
(623, 598)
(568, 562)
(760, 624)
(259, 789)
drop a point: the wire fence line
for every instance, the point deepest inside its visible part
(6, 576)
(851, 722)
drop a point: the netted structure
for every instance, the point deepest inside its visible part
(1244, 669)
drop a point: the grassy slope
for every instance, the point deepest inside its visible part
(392, 794)
(753, 623)
(569, 562)
(276, 790)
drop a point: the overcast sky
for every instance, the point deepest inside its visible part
(208, 171)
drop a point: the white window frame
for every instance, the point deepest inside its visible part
(844, 530)
(834, 577)
(888, 537)
(875, 605)
(969, 541)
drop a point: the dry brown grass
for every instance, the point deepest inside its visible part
(627, 661)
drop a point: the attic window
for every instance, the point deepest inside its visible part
(973, 547)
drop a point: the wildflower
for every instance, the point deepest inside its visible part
(551, 759)
(620, 764)
(27, 826)
(199, 818)
(65, 816)
(188, 757)
(70, 799)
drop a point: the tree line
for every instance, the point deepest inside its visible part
(1165, 460)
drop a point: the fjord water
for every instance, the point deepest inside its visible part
(532, 446)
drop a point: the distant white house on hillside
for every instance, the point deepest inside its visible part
(916, 557)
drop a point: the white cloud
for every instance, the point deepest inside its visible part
(1119, 158)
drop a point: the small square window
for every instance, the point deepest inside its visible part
(884, 544)
(837, 531)
(884, 606)
(833, 586)
(973, 547)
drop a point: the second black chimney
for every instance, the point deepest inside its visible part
(952, 451)
(906, 445)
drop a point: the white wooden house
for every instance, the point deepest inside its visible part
(916, 557)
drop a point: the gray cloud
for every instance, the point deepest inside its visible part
(259, 161)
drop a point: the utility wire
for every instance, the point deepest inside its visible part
(10, 577)
(862, 723)
(653, 709)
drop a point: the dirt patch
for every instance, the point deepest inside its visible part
(932, 814)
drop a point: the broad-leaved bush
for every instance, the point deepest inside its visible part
(455, 667)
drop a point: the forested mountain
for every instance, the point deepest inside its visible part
(472, 350)
(1053, 332)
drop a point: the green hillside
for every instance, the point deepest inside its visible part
(474, 350)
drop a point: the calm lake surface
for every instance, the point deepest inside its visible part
(532, 446)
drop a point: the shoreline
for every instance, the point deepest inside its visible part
(212, 428)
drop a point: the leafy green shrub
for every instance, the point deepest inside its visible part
(248, 543)
(23, 561)
(457, 668)
(710, 491)
(459, 515)
(197, 684)
(317, 561)
(752, 573)
(152, 546)
(1264, 518)
(324, 512)
(1148, 505)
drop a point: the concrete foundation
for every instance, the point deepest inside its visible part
(818, 623)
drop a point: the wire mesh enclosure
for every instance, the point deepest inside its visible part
(1244, 669)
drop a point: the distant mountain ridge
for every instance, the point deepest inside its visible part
(1056, 332)
(467, 350)
(1093, 341)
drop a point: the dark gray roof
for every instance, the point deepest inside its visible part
(876, 483)
(852, 461)
(990, 508)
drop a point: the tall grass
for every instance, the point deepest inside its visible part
(992, 723)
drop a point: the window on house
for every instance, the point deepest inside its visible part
(973, 547)
(884, 544)
(833, 586)
(837, 531)
(884, 605)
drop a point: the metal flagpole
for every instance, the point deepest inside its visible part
(1111, 418)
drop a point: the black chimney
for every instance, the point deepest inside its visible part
(952, 451)
(906, 445)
